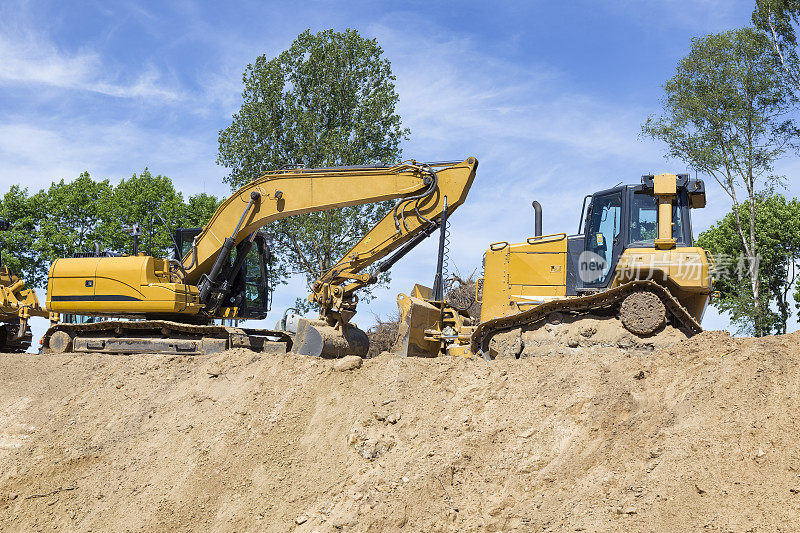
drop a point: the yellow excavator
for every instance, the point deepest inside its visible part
(162, 305)
(17, 305)
(633, 257)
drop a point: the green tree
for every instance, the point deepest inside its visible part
(72, 217)
(778, 239)
(198, 209)
(725, 114)
(142, 199)
(23, 214)
(777, 20)
(328, 100)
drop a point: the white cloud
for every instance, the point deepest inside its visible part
(36, 155)
(30, 59)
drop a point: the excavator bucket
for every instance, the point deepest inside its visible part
(416, 317)
(317, 338)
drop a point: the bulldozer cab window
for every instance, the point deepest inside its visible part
(644, 220)
(603, 232)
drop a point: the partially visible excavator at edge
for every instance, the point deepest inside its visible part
(162, 305)
(633, 257)
(17, 305)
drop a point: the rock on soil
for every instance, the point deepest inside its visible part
(701, 435)
(348, 362)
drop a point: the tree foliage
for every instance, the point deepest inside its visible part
(72, 216)
(198, 210)
(328, 100)
(79, 215)
(144, 199)
(778, 239)
(726, 114)
(18, 242)
(778, 20)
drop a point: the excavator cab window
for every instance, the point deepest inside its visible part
(250, 292)
(183, 239)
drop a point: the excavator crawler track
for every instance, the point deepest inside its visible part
(484, 332)
(160, 336)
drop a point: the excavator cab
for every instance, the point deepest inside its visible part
(249, 295)
(250, 291)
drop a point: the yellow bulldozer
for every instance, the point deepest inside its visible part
(219, 273)
(633, 257)
(17, 304)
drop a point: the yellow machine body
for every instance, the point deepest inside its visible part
(17, 304)
(685, 271)
(517, 276)
(16, 299)
(520, 276)
(129, 285)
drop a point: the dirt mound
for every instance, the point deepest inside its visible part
(594, 438)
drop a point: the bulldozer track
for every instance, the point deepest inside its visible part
(484, 332)
(234, 337)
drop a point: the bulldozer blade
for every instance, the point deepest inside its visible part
(317, 338)
(416, 316)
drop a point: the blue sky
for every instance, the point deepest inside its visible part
(549, 96)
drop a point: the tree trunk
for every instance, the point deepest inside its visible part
(755, 280)
(756, 287)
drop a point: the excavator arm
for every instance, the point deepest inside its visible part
(412, 219)
(420, 189)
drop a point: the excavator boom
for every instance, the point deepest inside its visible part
(296, 192)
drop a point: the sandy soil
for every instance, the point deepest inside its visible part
(699, 435)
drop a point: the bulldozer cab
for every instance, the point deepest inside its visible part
(626, 217)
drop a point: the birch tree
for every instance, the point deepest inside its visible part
(726, 114)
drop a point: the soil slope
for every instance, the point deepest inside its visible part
(702, 434)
